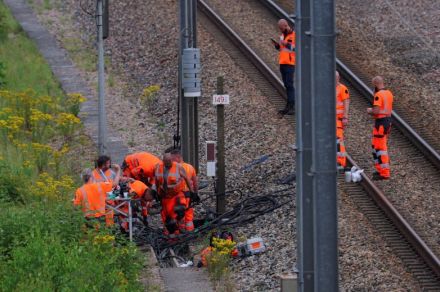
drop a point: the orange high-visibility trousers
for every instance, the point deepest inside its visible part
(341, 155)
(169, 212)
(381, 130)
(189, 216)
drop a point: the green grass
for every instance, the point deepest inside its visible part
(32, 71)
(44, 244)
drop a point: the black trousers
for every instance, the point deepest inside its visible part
(287, 73)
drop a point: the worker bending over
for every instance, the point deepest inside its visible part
(189, 196)
(138, 191)
(170, 178)
(91, 196)
(286, 48)
(342, 108)
(140, 166)
(103, 172)
(381, 111)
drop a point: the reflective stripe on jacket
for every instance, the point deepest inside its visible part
(91, 197)
(341, 95)
(100, 176)
(171, 183)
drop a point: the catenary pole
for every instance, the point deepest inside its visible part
(304, 187)
(324, 145)
(102, 124)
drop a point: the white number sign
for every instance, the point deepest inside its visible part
(220, 99)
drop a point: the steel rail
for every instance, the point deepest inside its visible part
(378, 196)
(428, 151)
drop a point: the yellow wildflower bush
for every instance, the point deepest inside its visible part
(149, 94)
(48, 187)
(103, 239)
(73, 103)
(220, 258)
(67, 124)
(41, 153)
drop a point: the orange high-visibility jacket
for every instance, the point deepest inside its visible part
(138, 188)
(103, 176)
(91, 197)
(384, 100)
(341, 95)
(190, 174)
(287, 53)
(141, 161)
(175, 183)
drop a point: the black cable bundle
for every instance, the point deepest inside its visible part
(245, 211)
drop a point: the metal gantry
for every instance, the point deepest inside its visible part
(188, 104)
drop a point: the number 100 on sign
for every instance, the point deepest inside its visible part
(220, 99)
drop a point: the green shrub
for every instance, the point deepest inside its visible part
(10, 183)
(46, 247)
(2, 74)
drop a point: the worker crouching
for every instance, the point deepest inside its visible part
(170, 179)
(140, 193)
(91, 196)
(190, 197)
(140, 166)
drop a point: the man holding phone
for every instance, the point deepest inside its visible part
(286, 48)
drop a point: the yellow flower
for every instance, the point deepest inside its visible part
(38, 116)
(14, 123)
(65, 119)
(103, 239)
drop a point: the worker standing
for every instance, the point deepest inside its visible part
(140, 166)
(92, 196)
(190, 196)
(103, 172)
(342, 108)
(170, 179)
(381, 111)
(286, 48)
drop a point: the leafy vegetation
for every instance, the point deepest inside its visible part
(44, 244)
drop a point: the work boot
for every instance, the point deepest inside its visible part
(377, 176)
(291, 110)
(284, 111)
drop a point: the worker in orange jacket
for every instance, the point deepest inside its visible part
(137, 190)
(381, 111)
(342, 108)
(190, 196)
(170, 179)
(92, 197)
(286, 48)
(103, 172)
(140, 166)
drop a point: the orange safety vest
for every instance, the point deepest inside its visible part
(141, 161)
(100, 176)
(138, 188)
(287, 55)
(175, 183)
(190, 173)
(384, 100)
(341, 95)
(92, 197)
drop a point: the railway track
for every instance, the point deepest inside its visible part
(405, 241)
(413, 120)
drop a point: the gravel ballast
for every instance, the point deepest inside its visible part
(143, 50)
